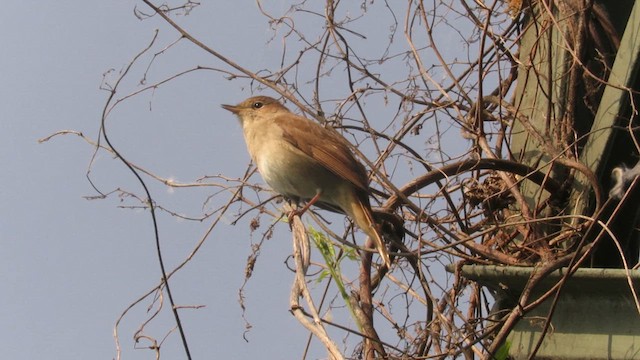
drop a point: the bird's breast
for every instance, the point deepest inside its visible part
(288, 170)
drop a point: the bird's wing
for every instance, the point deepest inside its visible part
(332, 154)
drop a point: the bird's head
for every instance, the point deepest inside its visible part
(256, 107)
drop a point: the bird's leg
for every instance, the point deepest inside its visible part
(306, 206)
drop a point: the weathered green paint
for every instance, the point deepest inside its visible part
(595, 318)
(539, 94)
(615, 100)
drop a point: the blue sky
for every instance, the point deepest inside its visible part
(70, 266)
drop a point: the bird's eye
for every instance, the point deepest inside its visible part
(257, 105)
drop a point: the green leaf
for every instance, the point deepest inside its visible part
(503, 351)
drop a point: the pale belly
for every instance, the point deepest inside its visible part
(297, 176)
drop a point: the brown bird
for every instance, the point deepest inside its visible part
(300, 159)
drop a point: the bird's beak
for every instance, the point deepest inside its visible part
(233, 108)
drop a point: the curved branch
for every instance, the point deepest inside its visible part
(525, 171)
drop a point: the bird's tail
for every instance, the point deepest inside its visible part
(362, 215)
